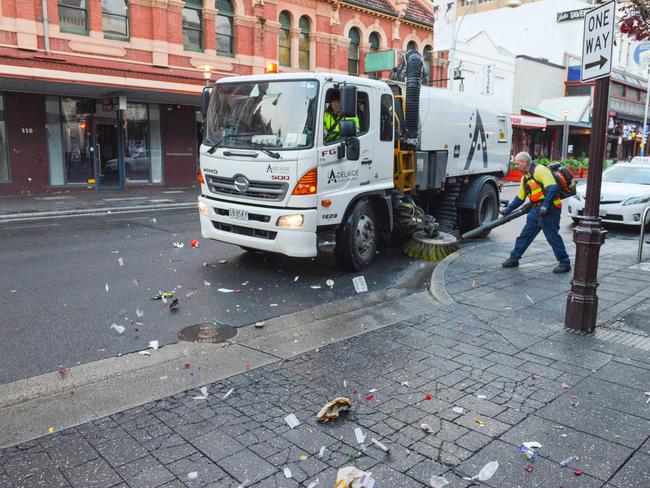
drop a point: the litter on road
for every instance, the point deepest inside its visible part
(119, 328)
(360, 285)
(259, 325)
(530, 449)
(106, 287)
(321, 453)
(485, 473)
(192, 475)
(351, 477)
(225, 290)
(195, 243)
(287, 473)
(358, 433)
(120, 261)
(438, 482)
(153, 345)
(568, 461)
(292, 420)
(314, 483)
(173, 306)
(426, 428)
(330, 284)
(381, 446)
(178, 245)
(228, 393)
(332, 409)
(203, 395)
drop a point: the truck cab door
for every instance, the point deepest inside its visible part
(336, 172)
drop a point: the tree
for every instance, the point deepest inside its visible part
(635, 21)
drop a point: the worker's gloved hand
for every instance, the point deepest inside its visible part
(543, 211)
(504, 212)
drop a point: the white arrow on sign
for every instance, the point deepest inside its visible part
(598, 42)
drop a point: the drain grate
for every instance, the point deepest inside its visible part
(207, 333)
(623, 337)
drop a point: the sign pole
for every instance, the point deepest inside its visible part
(644, 136)
(597, 50)
(582, 301)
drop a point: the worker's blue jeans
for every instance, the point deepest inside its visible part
(550, 225)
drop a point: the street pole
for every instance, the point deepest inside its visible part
(644, 137)
(565, 140)
(582, 300)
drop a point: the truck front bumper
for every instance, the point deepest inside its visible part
(260, 231)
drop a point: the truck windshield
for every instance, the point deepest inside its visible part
(269, 114)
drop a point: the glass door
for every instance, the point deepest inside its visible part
(110, 166)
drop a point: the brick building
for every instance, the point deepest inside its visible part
(104, 94)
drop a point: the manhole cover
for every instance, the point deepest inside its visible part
(207, 333)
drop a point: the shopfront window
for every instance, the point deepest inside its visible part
(73, 16)
(4, 152)
(137, 151)
(115, 18)
(76, 134)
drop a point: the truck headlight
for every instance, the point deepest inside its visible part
(636, 200)
(291, 221)
(204, 209)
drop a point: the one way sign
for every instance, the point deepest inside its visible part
(598, 42)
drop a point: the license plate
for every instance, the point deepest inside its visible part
(236, 214)
(602, 212)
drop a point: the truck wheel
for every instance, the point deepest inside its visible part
(486, 210)
(358, 238)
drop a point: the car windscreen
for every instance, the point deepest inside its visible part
(627, 174)
(269, 114)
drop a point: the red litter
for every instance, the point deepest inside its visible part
(428, 397)
(195, 243)
(63, 372)
(186, 365)
(529, 468)
(578, 473)
(370, 397)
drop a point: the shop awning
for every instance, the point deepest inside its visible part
(553, 110)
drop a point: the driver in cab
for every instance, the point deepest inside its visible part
(331, 119)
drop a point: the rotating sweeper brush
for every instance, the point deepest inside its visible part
(427, 242)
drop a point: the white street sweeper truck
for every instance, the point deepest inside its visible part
(283, 171)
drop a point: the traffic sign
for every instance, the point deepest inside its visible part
(598, 42)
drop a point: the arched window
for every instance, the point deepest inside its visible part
(353, 51)
(284, 53)
(303, 43)
(411, 45)
(225, 28)
(427, 56)
(374, 42)
(115, 19)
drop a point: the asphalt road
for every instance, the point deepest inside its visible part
(58, 312)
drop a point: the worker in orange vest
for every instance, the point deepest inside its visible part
(538, 184)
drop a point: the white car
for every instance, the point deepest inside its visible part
(624, 194)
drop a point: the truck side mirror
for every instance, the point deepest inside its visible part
(352, 149)
(348, 101)
(347, 128)
(205, 100)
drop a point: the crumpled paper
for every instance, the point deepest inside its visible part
(331, 409)
(351, 477)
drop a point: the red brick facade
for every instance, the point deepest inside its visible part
(153, 65)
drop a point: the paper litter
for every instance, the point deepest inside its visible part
(427, 428)
(292, 420)
(568, 461)
(106, 287)
(332, 409)
(228, 393)
(119, 328)
(330, 284)
(153, 345)
(287, 473)
(530, 299)
(178, 245)
(225, 290)
(354, 478)
(313, 484)
(321, 453)
(458, 410)
(360, 285)
(203, 395)
(192, 476)
(206, 283)
(530, 449)
(120, 261)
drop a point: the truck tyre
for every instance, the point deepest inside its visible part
(357, 238)
(486, 210)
